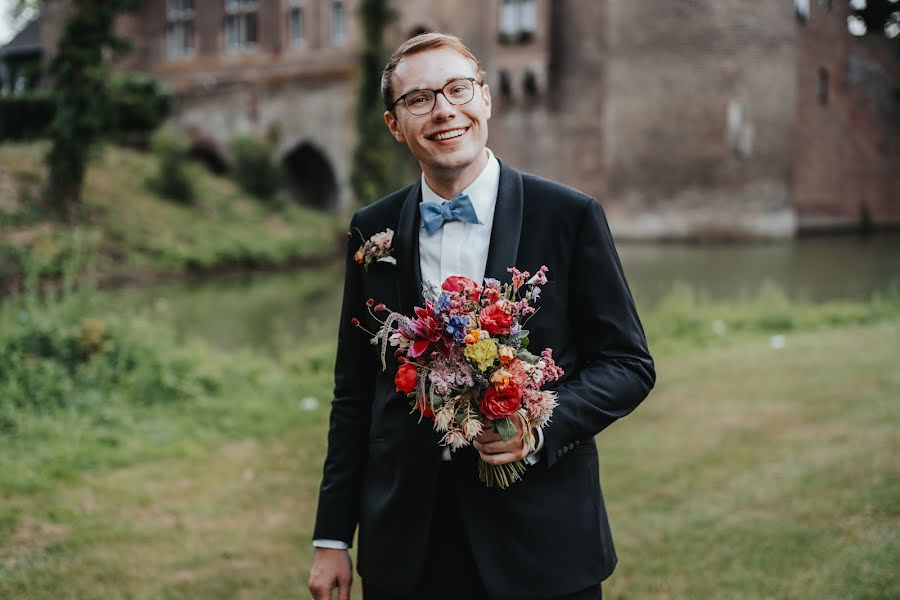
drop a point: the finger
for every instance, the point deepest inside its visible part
(488, 436)
(344, 589)
(319, 592)
(496, 447)
(500, 459)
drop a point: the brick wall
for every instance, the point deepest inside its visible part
(847, 148)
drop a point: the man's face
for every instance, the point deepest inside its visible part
(463, 127)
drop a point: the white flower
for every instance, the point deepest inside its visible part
(398, 339)
(455, 439)
(472, 428)
(443, 418)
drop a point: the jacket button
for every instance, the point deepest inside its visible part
(559, 452)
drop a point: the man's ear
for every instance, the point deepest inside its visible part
(390, 119)
(486, 97)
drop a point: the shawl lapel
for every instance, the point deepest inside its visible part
(507, 227)
(409, 271)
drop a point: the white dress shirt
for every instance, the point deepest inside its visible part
(459, 249)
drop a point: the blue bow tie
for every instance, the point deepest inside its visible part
(435, 215)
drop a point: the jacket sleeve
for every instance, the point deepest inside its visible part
(614, 370)
(354, 382)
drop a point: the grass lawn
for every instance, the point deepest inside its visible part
(134, 234)
(750, 472)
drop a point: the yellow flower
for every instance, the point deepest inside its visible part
(482, 353)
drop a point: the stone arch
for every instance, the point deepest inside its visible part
(205, 150)
(309, 177)
(209, 156)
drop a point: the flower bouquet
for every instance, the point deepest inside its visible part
(465, 365)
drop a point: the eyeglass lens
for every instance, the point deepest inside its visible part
(459, 91)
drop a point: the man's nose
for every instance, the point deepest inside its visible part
(442, 107)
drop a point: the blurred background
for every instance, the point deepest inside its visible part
(176, 177)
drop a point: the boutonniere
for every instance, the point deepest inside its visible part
(376, 248)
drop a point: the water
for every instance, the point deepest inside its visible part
(810, 269)
(274, 311)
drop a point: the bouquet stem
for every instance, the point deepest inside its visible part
(501, 476)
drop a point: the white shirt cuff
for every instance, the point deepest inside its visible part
(534, 457)
(332, 544)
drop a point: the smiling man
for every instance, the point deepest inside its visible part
(428, 529)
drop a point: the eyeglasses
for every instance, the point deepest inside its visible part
(421, 102)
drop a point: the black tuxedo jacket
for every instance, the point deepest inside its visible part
(548, 534)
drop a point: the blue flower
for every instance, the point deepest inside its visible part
(442, 303)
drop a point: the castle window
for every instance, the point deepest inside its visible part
(530, 84)
(822, 87)
(801, 10)
(505, 84)
(517, 20)
(338, 23)
(295, 23)
(179, 28)
(241, 24)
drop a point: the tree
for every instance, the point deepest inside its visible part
(380, 165)
(80, 81)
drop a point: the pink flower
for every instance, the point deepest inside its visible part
(551, 371)
(495, 319)
(462, 285)
(426, 329)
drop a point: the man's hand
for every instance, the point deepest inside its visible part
(495, 451)
(331, 569)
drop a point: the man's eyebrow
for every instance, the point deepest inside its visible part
(449, 79)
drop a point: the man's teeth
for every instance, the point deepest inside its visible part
(449, 134)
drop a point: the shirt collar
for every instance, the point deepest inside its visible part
(482, 192)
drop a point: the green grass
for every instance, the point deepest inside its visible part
(750, 472)
(135, 234)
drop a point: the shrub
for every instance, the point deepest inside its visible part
(139, 106)
(26, 116)
(254, 167)
(172, 179)
(54, 356)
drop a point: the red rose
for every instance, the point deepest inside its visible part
(463, 285)
(406, 378)
(495, 320)
(497, 404)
